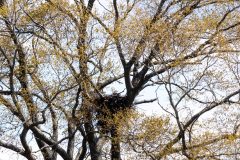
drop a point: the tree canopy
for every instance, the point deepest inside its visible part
(74, 73)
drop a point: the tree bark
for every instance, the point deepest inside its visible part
(115, 145)
(95, 153)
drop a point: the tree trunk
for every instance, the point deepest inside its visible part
(115, 145)
(95, 153)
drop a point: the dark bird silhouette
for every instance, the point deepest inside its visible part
(2, 3)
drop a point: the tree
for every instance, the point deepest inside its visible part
(72, 72)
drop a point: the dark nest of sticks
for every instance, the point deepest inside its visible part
(107, 107)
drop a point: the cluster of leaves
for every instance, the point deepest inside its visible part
(72, 73)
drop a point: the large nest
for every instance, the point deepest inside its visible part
(107, 108)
